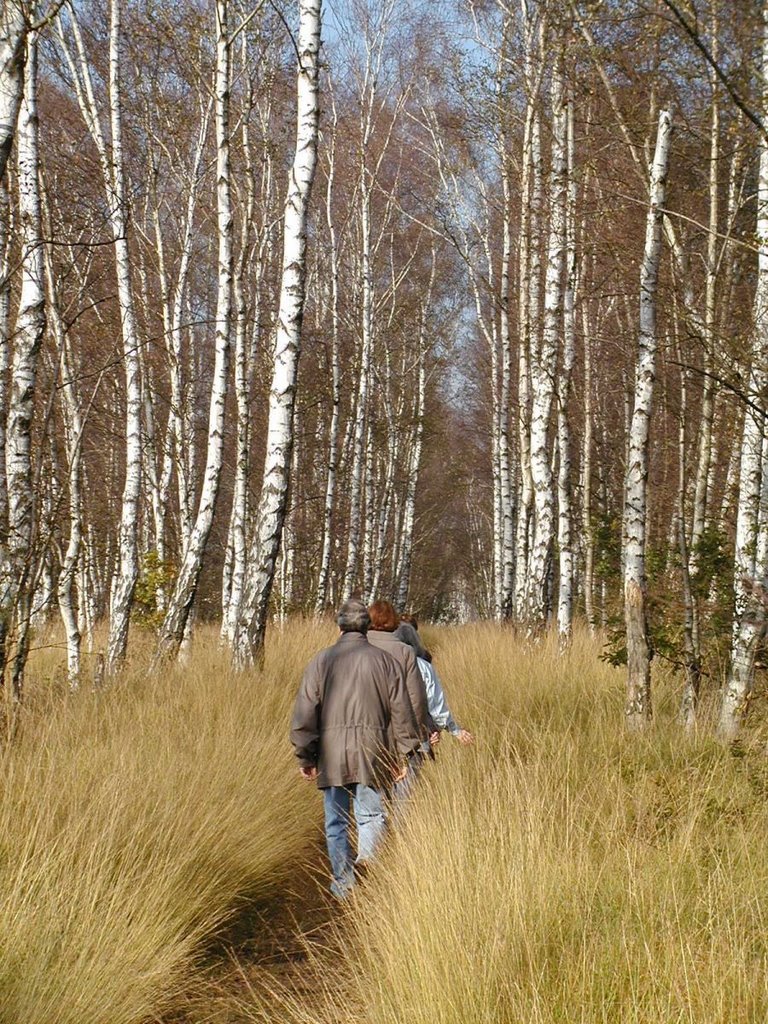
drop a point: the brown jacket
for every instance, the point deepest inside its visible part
(405, 657)
(352, 716)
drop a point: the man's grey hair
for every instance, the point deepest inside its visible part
(353, 616)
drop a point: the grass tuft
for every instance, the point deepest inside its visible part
(133, 824)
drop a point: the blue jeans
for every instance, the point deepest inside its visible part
(371, 817)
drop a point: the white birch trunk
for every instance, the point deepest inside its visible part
(13, 28)
(506, 497)
(174, 627)
(321, 598)
(690, 698)
(405, 558)
(543, 368)
(586, 485)
(5, 333)
(370, 503)
(361, 408)
(529, 270)
(564, 510)
(73, 432)
(751, 568)
(234, 568)
(251, 624)
(30, 327)
(638, 708)
(113, 171)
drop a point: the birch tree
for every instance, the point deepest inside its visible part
(638, 709)
(13, 28)
(333, 430)
(117, 197)
(248, 643)
(180, 604)
(28, 336)
(73, 435)
(564, 510)
(543, 369)
(751, 552)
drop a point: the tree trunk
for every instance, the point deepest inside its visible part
(586, 486)
(751, 568)
(13, 29)
(321, 598)
(543, 369)
(252, 620)
(564, 510)
(124, 580)
(175, 624)
(30, 327)
(73, 432)
(638, 709)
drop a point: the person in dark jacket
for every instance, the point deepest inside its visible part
(352, 730)
(384, 623)
(408, 632)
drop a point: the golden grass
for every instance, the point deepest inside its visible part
(562, 870)
(133, 823)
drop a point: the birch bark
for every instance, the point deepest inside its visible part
(30, 327)
(638, 708)
(251, 624)
(5, 339)
(751, 556)
(124, 582)
(180, 604)
(529, 271)
(13, 28)
(361, 407)
(506, 575)
(543, 369)
(113, 172)
(405, 559)
(704, 460)
(237, 540)
(333, 430)
(73, 432)
(586, 478)
(564, 509)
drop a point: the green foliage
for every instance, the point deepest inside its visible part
(156, 579)
(712, 589)
(606, 532)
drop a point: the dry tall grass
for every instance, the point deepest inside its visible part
(133, 823)
(559, 871)
(562, 870)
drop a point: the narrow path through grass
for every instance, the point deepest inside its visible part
(262, 959)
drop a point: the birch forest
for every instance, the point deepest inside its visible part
(458, 306)
(457, 303)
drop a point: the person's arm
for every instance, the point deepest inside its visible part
(418, 694)
(438, 705)
(305, 723)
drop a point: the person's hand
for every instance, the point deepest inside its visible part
(401, 772)
(465, 738)
(434, 738)
(308, 772)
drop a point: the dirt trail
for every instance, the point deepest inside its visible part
(265, 951)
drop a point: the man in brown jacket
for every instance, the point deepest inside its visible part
(352, 726)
